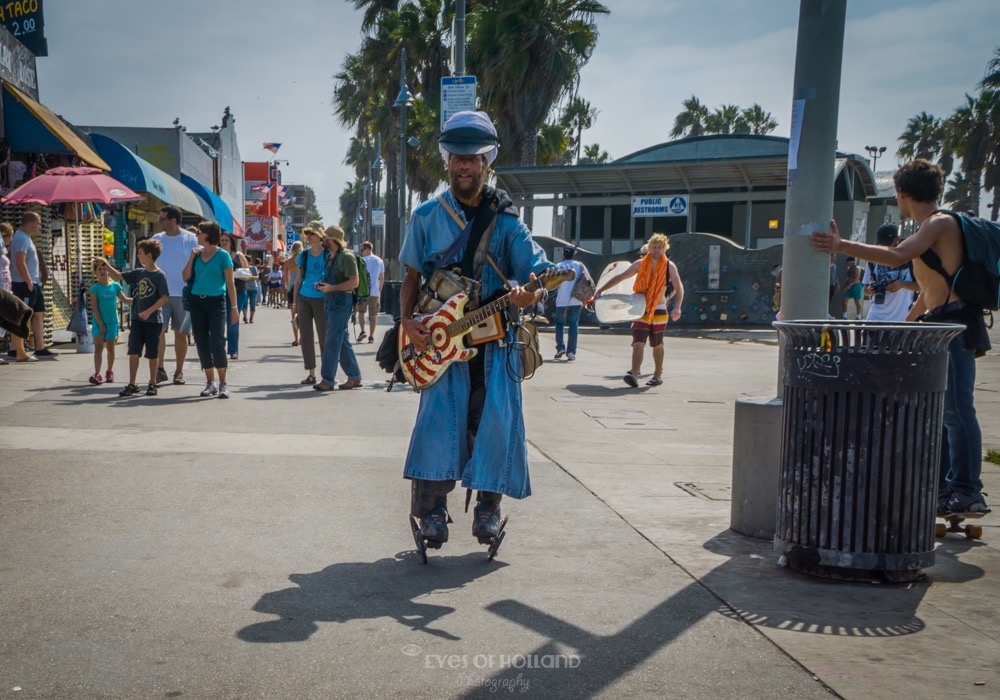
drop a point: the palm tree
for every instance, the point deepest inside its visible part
(351, 200)
(527, 54)
(967, 134)
(578, 116)
(727, 119)
(553, 145)
(990, 100)
(692, 121)
(593, 154)
(923, 138)
(991, 81)
(759, 121)
(962, 194)
(374, 10)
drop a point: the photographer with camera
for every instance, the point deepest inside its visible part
(891, 288)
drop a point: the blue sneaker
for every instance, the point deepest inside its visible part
(965, 503)
(434, 527)
(942, 501)
(486, 521)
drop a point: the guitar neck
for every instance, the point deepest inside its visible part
(484, 312)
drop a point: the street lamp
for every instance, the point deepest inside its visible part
(377, 202)
(403, 101)
(875, 152)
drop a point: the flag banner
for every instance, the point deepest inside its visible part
(272, 147)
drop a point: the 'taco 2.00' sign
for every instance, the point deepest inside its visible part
(25, 20)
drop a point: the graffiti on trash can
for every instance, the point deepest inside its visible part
(819, 365)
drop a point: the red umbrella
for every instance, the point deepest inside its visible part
(60, 185)
(63, 185)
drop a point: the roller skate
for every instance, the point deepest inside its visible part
(488, 526)
(430, 531)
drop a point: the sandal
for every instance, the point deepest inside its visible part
(630, 380)
(654, 381)
(311, 379)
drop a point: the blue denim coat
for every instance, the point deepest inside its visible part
(438, 447)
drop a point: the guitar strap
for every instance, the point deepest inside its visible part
(477, 251)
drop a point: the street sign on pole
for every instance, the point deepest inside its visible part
(378, 216)
(458, 94)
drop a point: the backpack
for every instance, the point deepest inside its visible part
(364, 279)
(977, 280)
(584, 287)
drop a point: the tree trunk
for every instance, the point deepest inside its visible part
(995, 211)
(523, 154)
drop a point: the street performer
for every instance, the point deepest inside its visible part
(470, 423)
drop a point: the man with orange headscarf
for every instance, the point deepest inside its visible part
(658, 279)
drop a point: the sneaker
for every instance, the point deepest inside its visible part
(486, 521)
(942, 501)
(109, 376)
(211, 389)
(151, 390)
(362, 336)
(178, 376)
(96, 378)
(959, 503)
(129, 390)
(223, 390)
(559, 354)
(45, 352)
(371, 339)
(630, 380)
(161, 375)
(571, 356)
(434, 527)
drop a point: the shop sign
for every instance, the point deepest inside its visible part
(17, 64)
(26, 21)
(258, 232)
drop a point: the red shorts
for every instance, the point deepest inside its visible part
(650, 330)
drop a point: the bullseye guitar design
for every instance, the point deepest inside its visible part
(449, 326)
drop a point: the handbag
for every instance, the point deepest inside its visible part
(78, 319)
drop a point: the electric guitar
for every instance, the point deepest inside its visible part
(449, 326)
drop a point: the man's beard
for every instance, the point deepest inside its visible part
(475, 187)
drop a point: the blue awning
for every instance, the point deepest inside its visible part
(222, 216)
(141, 176)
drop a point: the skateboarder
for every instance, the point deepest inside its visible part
(656, 277)
(937, 250)
(470, 425)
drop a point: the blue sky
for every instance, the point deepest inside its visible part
(140, 63)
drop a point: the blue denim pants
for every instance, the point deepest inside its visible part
(233, 329)
(567, 315)
(337, 347)
(962, 442)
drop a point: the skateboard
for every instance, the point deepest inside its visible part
(618, 304)
(953, 523)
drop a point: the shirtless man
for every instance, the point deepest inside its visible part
(918, 188)
(653, 279)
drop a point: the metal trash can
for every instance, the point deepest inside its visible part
(861, 445)
(390, 298)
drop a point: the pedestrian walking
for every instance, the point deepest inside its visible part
(253, 291)
(104, 296)
(890, 288)
(290, 279)
(568, 307)
(28, 274)
(339, 282)
(176, 244)
(370, 304)
(659, 280)
(310, 300)
(853, 288)
(212, 269)
(241, 271)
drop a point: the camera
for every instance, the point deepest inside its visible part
(878, 297)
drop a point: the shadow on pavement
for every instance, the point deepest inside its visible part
(365, 590)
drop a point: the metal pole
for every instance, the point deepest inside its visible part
(403, 103)
(459, 37)
(811, 156)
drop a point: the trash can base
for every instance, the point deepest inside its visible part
(848, 566)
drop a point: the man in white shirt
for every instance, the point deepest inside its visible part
(568, 307)
(376, 273)
(177, 244)
(891, 288)
(28, 275)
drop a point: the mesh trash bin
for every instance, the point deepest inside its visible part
(861, 444)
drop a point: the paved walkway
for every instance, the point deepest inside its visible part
(258, 547)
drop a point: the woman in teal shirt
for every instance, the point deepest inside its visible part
(212, 269)
(309, 300)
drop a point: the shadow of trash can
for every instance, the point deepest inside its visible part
(390, 298)
(860, 447)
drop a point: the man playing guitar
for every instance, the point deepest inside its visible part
(467, 417)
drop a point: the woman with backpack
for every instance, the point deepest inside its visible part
(309, 300)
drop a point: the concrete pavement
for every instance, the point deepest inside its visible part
(175, 546)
